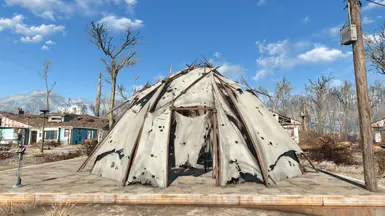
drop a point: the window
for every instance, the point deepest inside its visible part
(50, 134)
(89, 135)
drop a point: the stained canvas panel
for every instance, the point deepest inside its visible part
(191, 134)
(150, 162)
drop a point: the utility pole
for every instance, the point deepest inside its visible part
(363, 97)
(98, 95)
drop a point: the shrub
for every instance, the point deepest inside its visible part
(89, 145)
(380, 159)
(328, 150)
(52, 144)
(6, 154)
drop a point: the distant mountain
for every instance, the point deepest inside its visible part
(36, 100)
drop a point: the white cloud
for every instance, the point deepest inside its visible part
(322, 54)
(34, 39)
(53, 9)
(43, 8)
(366, 20)
(286, 54)
(259, 74)
(217, 55)
(16, 24)
(233, 71)
(372, 37)
(261, 2)
(306, 19)
(274, 55)
(44, 47)
(120, 24)
(370, 6)
(49, 42)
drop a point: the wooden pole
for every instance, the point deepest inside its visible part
(215, 150)
(363, 99)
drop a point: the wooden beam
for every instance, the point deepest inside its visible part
(254, 90)
(191, 108)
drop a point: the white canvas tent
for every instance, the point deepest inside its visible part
(197, 109)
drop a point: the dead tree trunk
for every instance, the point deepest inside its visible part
(98, 95)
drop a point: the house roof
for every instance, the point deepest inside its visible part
(71, 120)
(287, 118)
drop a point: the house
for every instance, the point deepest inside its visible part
(289, 124)
(64, 128)
(378, 127)
(76, 108)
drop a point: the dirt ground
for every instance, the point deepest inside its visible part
(107, 210)
(353, 171)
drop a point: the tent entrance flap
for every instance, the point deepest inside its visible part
(191, 142)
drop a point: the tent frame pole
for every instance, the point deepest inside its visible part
(299, 163)
(308, 160)
(261, 166)
(216, 166)
(168, 143)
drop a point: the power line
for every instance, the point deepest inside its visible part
(377, 3)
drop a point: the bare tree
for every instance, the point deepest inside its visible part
(319, 95)
(122, 92)
(114, 60)
(44, 76)
(282, 93)
(344, 94)
(375, 50)
(96, 108)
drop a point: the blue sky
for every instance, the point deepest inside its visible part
(261, 40)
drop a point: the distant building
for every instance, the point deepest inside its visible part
(78, 109)
(290, 125)
(64, 128)
(378, 127)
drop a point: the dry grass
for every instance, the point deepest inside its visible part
(60, 210)
(18, 209)
(15, 209)
(52, 157)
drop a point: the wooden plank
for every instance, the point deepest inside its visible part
(191, 108)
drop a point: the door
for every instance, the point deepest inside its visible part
(33, 137)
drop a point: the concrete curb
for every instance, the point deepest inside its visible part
(196, 199)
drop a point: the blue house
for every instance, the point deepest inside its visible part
(67, 129)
